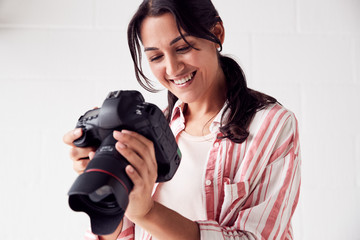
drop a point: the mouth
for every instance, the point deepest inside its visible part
(185, 79)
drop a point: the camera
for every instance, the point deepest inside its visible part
(102, 190)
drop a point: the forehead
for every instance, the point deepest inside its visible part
(158, 30)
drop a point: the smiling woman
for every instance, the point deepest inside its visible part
(187, 66)
(239, 177)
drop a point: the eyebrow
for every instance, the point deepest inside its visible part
(171, 43)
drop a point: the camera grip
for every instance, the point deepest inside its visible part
(87, 139)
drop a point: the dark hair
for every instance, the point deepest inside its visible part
(197, 18)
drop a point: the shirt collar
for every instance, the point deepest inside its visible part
(178, 111)
(216, 124)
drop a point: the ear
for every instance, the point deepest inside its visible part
(219, 31)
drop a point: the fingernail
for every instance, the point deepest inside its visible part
(121, 145)
(130, 168)
(77, 132)
(125, 131)
(116, 134)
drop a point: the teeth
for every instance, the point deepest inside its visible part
(183, 80)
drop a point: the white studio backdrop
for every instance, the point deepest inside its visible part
(59, 59)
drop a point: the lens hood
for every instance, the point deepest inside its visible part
(105, 208)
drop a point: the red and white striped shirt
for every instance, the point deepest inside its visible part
(251, 189)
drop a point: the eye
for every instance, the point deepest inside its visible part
(183, 49)
(155, 58)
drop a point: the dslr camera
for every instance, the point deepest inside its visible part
(102, 190)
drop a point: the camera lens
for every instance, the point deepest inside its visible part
(107, 206)
(108, 202)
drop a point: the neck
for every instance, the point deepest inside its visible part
(212, 101)
(200, 114)
(201, 110)
(199, 118)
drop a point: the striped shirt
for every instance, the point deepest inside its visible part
(251, 189)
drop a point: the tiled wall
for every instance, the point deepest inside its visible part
(60, 58)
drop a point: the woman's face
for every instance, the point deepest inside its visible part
(191, 75)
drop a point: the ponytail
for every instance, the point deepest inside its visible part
(242, 102)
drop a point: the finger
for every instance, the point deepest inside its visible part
(91, 155)
(143, 168)
(137, 135)
(72, 135)
(141, 145)
(133, 158)
(135, 177)
(77, 153)
(142, 162)
(80, 165)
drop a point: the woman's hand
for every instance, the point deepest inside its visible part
(140, 153)
(79, 156)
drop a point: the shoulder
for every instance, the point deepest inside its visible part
(274, 124)
(273, 117)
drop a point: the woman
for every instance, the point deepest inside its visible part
(240, 173)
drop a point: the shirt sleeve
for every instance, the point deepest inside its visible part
(261, 207)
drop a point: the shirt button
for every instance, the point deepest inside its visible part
(208, 182)
(216, 144)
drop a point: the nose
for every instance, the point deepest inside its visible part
(174, 66)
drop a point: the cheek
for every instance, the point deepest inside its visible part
(155, 69)
(210, 57)
(159, 72)
(206, 58)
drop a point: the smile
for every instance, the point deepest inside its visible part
(184, 79)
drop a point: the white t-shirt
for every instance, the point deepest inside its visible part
(183, 193)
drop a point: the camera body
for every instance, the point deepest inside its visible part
(102, 190)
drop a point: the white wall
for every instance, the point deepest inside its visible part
(60, 58)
